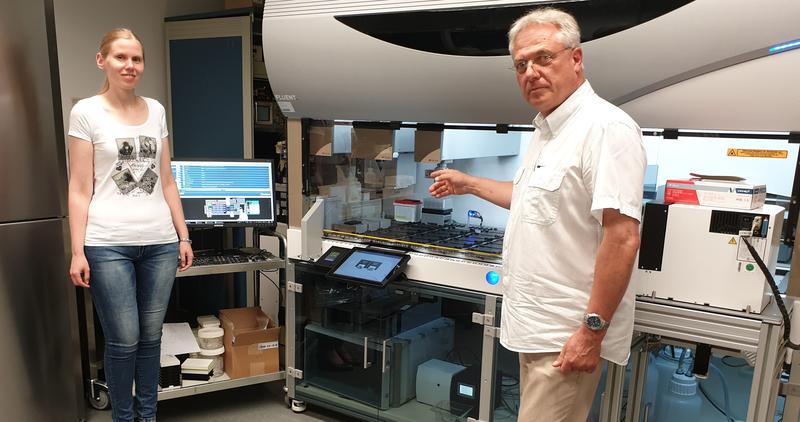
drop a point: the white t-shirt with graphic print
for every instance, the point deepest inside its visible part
(128, 207)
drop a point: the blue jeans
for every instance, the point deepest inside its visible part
(130, 287)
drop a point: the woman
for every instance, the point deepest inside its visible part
(127, 226)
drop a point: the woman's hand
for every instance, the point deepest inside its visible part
(79, 271)
(186, 256)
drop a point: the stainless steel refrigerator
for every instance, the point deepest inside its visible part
(40, 368)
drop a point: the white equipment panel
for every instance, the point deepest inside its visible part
(444, 271)
(704, 259)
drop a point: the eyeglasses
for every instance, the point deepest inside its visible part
(542, 60)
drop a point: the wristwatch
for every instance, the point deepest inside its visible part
(186, 240)
(595, 322)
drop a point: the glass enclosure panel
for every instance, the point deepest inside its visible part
(396, 353)
(436, 367)
(345, 363)
(368, 191)
(332, 358)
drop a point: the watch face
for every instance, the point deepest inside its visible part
(594, 322)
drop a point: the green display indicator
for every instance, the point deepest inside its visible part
(750, 267)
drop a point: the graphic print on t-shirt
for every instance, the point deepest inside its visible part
(136, 160)
(147, 147)
(125, 148)
(125, 181)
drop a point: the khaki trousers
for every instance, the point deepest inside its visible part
(548, 396)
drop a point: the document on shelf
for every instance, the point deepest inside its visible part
(177, 339)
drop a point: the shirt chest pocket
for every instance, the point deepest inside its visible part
(542, 197)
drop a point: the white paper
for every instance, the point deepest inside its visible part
(177, 339)
(286, 106)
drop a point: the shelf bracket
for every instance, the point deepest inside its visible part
(294, 373)
(483, 319)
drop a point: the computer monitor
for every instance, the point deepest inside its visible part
(225, 192)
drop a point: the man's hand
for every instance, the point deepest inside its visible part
(449, 182)
(581, 352)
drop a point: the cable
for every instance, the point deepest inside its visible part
(681, 370)
(716, 406)
(725, 394)
(264, 273)
(730, 364)
(515, 380)
(775, 293)
(508, 407)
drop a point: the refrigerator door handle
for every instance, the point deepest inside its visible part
(383, 358)
(366, 346)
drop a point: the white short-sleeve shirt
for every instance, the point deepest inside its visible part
(586, 156)
(128, 207)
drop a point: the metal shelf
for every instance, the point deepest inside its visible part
(219, 385)
(171, 393)
(269, 264)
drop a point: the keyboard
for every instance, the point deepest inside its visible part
(229, 257)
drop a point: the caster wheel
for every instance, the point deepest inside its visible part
(101, 402)
(298, 406)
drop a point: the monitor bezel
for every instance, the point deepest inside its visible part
(232, 223)
(391, 276)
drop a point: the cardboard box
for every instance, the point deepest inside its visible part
(428, 146)
(716, 193)
(251, 342)
(372, 144)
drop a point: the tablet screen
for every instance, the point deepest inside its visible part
(368, 266)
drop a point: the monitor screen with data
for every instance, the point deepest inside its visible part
(225, 192)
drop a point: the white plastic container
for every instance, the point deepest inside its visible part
(681, 402)
(666, 365)
(207, 321)
(407, 210)
(210, 338)
(217, 356)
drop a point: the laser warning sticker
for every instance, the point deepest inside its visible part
(758, 153)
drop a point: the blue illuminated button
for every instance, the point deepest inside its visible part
(492, 277)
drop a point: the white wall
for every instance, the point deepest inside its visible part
(80, 24)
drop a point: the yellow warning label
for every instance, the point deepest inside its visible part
(732, 241)
(758, 153)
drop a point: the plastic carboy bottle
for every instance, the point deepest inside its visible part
(681, 402)
(668, 360)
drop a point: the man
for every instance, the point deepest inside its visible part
(573, 228)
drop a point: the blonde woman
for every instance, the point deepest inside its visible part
(126, 223)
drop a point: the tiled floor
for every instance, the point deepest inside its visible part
(261, 402)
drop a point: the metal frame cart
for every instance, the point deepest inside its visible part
(730, 332)
(97, 390)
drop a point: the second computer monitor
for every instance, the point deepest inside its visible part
(225, 192)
